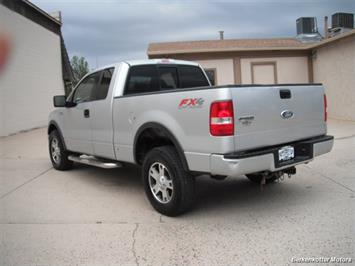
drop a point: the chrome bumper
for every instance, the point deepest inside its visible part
(240, 163)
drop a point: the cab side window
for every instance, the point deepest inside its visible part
(191, 77)
(100, 91)
(142, 79)
(168, 78)
(84, 90)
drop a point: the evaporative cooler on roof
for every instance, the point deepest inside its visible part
(343, 20)
(306, 25)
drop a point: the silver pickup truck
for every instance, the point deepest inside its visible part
(164, 115)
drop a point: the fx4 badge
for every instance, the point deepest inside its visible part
(191, 103)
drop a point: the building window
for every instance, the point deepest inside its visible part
(212, 75)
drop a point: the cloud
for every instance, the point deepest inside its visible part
(110, 31)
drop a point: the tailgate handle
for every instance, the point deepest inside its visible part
(285, 94)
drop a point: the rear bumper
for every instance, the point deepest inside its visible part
(266, 159)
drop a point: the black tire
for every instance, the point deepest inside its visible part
(182, 194)
(256, 178)
(60, 162)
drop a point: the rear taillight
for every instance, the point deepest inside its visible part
(325, 108)
(222, 118)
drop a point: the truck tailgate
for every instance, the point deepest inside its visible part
(271, 115)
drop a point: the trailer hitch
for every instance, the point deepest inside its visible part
(277, 176)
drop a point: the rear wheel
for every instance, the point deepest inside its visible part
(169, 188)
(57, 152)
(256, 178)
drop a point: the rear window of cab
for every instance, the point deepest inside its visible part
(151, 78)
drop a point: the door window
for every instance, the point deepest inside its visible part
(84, 90)
(100, 91)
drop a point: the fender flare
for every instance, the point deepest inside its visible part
(53, 123)
(168, 134)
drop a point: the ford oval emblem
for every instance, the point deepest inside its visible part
(286, 114)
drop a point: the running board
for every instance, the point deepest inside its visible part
(91, 160)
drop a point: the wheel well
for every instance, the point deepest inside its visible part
(51, 128)
(153, 137)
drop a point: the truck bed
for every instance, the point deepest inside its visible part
(257, 117)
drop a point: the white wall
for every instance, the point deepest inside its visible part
(289, 69)
(32, 76)
(334, 66)
(224, 67)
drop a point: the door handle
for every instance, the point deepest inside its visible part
(86, 113)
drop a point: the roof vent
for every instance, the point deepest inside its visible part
(221, 35)
(307, 30)
(341, 23)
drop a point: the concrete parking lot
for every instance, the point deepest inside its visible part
(90, 216)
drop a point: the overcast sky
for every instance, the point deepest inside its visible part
(109, 31)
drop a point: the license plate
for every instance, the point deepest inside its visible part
(286, 153)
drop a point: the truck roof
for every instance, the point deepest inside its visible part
(148, 62)
(160, 61)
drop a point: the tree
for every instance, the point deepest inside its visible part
(80, 68)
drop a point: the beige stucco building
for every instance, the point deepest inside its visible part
(274, 61)
(334, 66)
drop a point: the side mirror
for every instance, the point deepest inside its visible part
(59, 101)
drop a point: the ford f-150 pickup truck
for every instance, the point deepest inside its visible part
(163, 114)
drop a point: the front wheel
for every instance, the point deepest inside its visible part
(57, 152)
(169, 188)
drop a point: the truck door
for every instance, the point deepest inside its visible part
(101, 116)
(77, 119)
